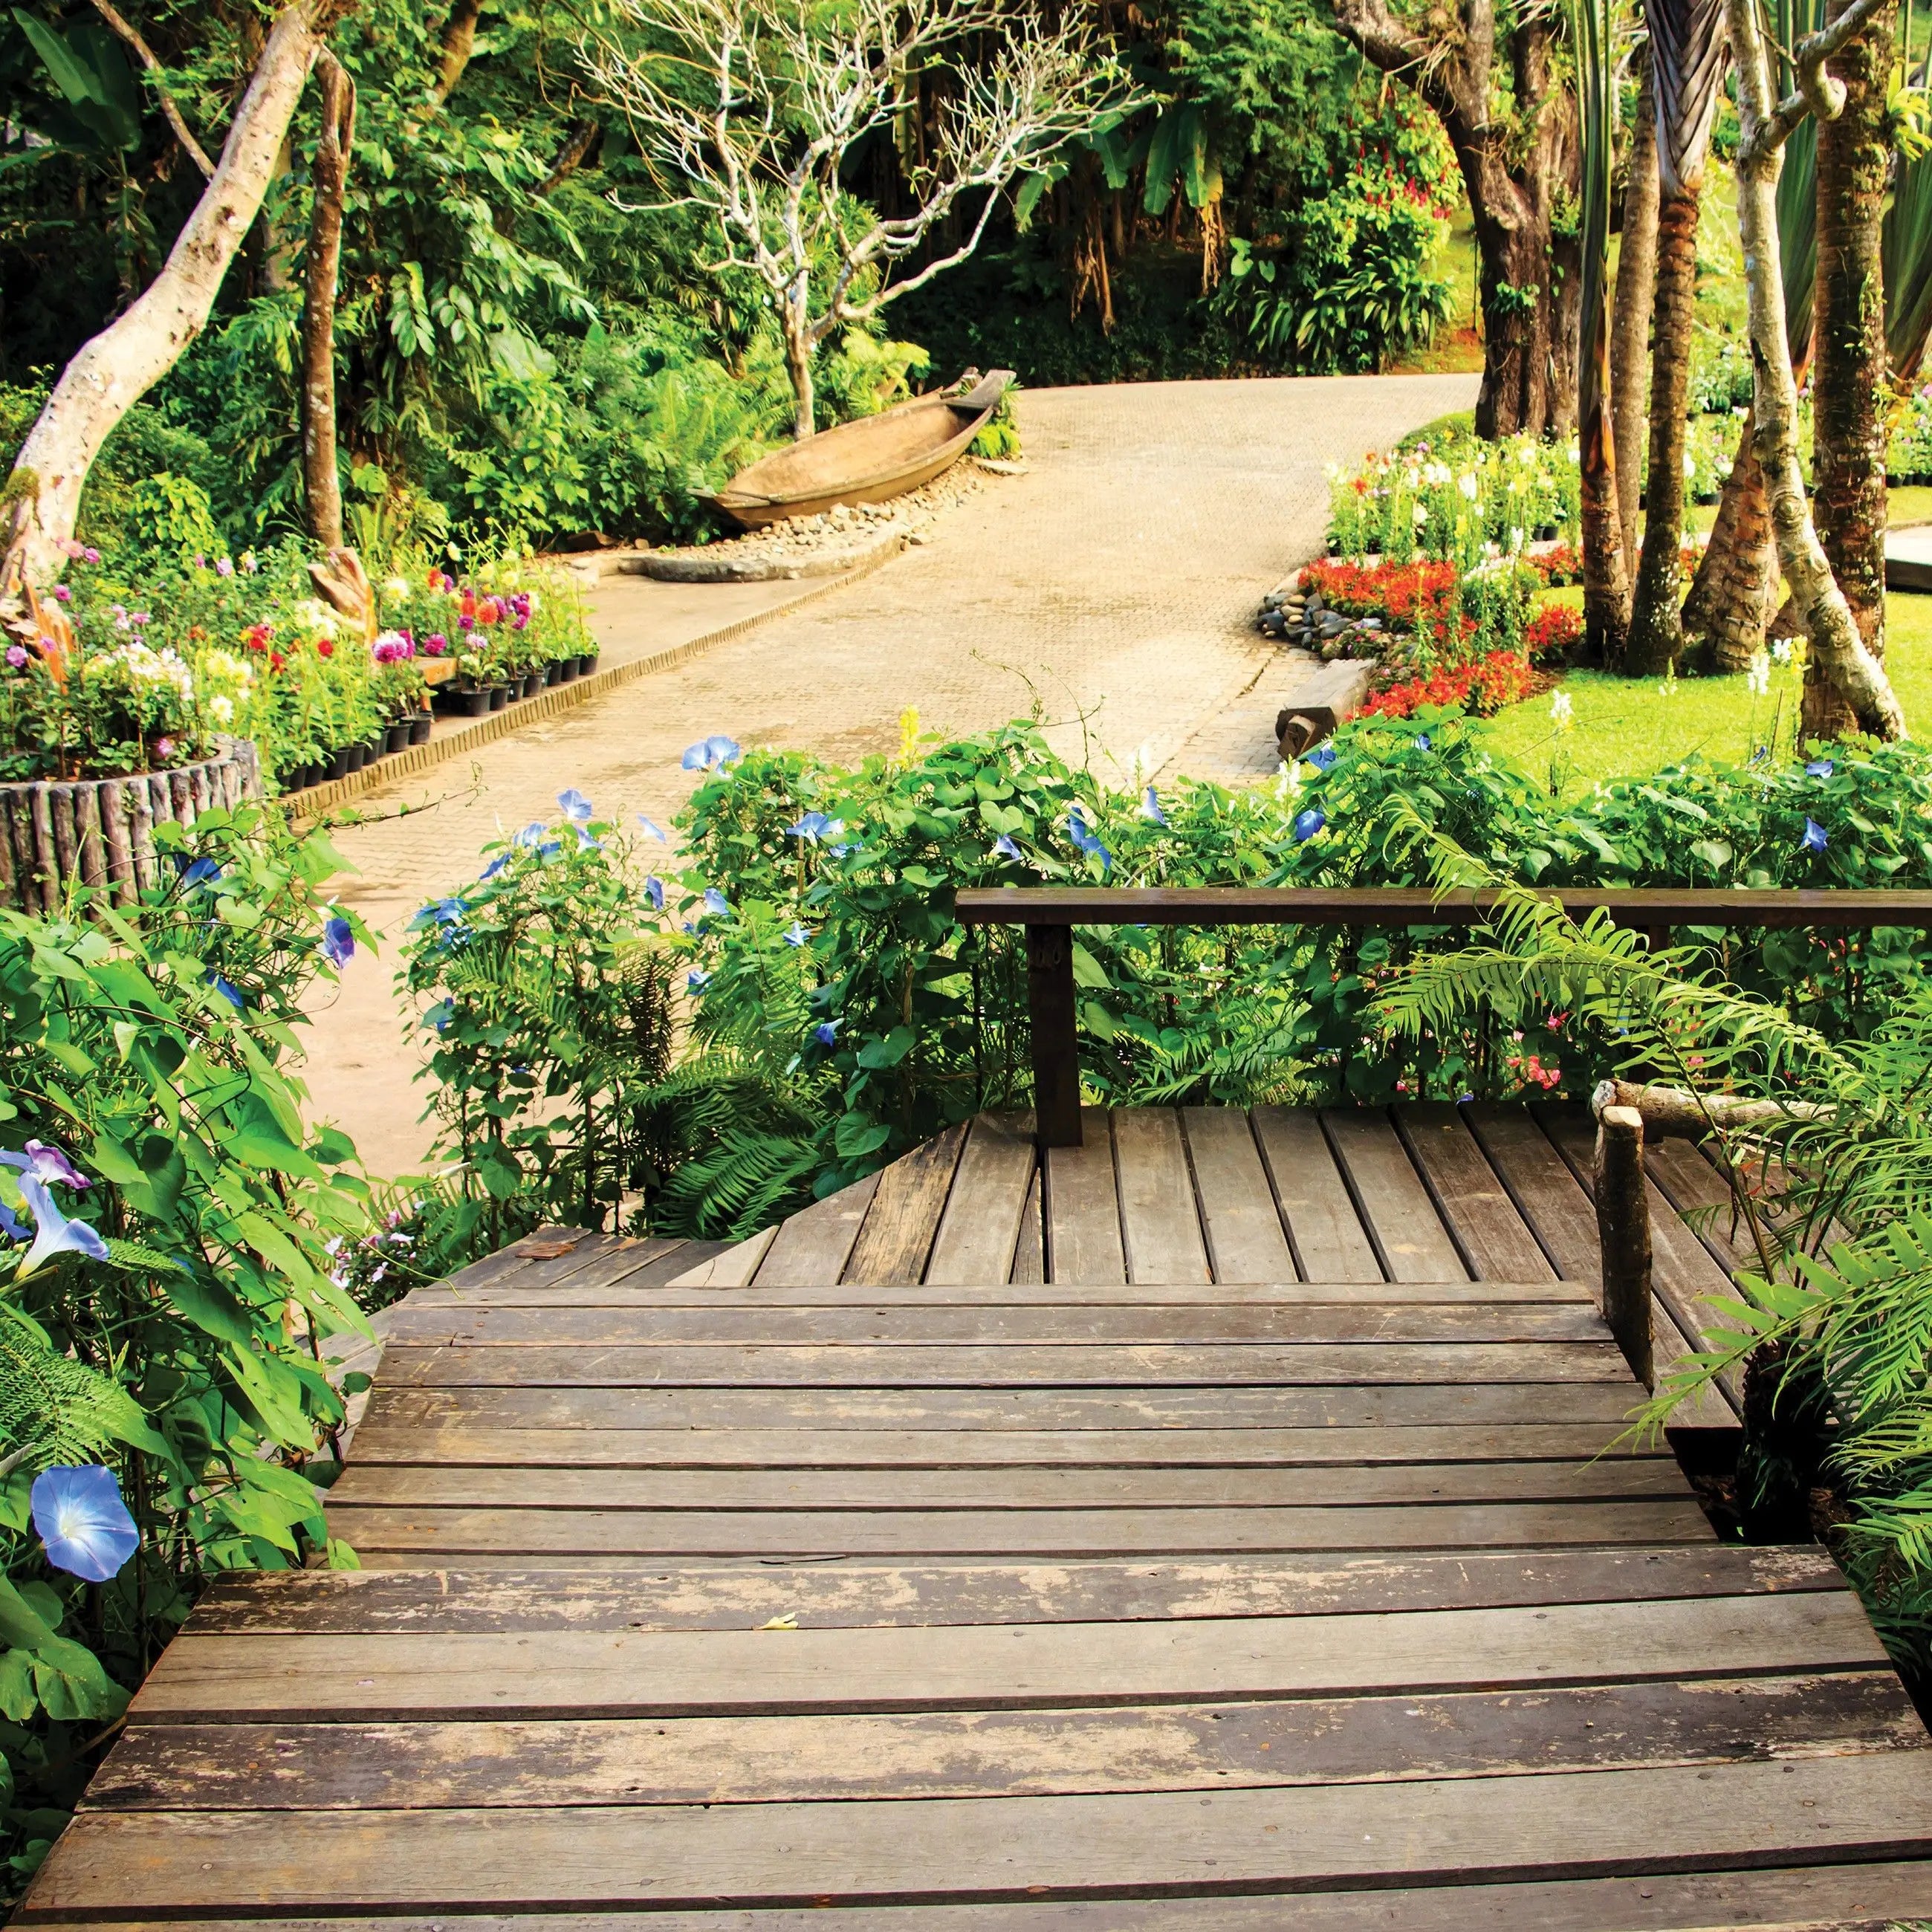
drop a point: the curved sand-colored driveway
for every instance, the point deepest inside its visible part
(1117, 580)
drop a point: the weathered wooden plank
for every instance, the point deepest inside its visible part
(1246, 1240)
(909, 1365)
(1873, 1805)
(668, 1259)
(1469, 1197)
(1160, 1224)
(1699, 1194)
(898, 1231)
(455, 1445)
(1864, 1896)
(1013, 1294)
(1080, 1201)
(1546, 1194)
(1329, 1240)
(728, 1323)
(990, 1490)
(734, 1267)
(1030, 1251)
(217, 1678)
(852, 1757)
(980, 1229)
(813, 1245)
(442, 1535)
(868, 1595)
(1360, 1404)
(1410, 1240)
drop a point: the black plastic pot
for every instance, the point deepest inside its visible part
(564, 671)
(587, 664)
(464, 703)
(419, 727)
(397, 737)
(499, 696)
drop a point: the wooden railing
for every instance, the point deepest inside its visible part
(1049, 914)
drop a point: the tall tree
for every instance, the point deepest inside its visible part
(758, 104)
(119, 365)
(1606, 586)
(1507, 119)
(321, 483)
(1849, 385)
(1687, 66)
(1637, 276)
(1763, 128)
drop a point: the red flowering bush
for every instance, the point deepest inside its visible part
(1553, 632)
(1407, 594)
(1557, 566)
(1484, 687)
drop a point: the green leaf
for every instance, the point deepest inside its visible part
(1087, 971)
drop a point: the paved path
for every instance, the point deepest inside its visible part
(1117, 580)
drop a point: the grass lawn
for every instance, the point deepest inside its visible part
(1627, 726)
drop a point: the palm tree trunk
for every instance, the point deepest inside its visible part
(1630, 335)
(1605, 585)
(1730, 598)
(1656, 629)
(1850, 372)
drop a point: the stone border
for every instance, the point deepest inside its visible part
(101, 832)
(318, 800)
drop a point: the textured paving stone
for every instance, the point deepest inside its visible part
(1115, 583)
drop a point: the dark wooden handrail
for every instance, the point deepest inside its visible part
(1050, 912)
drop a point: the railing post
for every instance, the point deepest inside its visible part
(1623, 1229)
(1056, 1052)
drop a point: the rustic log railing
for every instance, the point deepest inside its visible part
(1050, 912)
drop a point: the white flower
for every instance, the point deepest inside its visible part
(1466, 483)
(1562, 712)
(222, 710)
(1690, 464)
(1420, 515)
(1519, 538)
(397, 587)
(1757, 673)
(1780, 651)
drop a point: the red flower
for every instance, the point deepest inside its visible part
(325, 648)
(276, 660)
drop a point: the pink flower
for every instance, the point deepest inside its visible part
(17, 655)
(91, 554)
(224, 567)
(435, 644)
(63, 594)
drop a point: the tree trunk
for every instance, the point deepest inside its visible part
(1835, 641)
(1849, 386)
(114, 370)
(322, 485)
(798, 365)
(1514, 286)
(1730, 598)
(1656, 631)
(1630, 338)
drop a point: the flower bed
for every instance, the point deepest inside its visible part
(1452, 500)
(103, 678)
(1483, 688)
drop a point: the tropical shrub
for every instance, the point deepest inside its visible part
(167, 1230)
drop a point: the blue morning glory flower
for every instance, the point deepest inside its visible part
(1150, 806)
(440, 912)
(1322, 757)
(813, 826)
(795, 935)
(716, 902)
(440, 1015)
(338, 942)
(49, 1163)
(1087, 841)
(228, 991)
(1422, 741)
(1819, 768)
(201, 872)
(1815, 839)
(531, 835)
(586, 843)
(1003, 847)
(496, 865)
(12, 1226)
(54, 1233)
(574, 805)
(654, 891)
(1307, 824)
(826, 1033)
(652, 829)
(713, 754)
(84, 1524)
(696, 981)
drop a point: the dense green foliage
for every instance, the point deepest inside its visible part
(153, 1048)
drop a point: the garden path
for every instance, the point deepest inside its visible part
(1118, 579)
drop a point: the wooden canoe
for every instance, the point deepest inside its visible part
(867, 461)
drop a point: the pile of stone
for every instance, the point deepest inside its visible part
(1301, 620)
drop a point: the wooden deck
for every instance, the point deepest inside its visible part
(1212, 1528)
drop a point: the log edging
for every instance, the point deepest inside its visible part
(101, 832)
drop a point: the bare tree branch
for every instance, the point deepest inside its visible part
(1816, 92)
(754, 107)
(145, 54)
